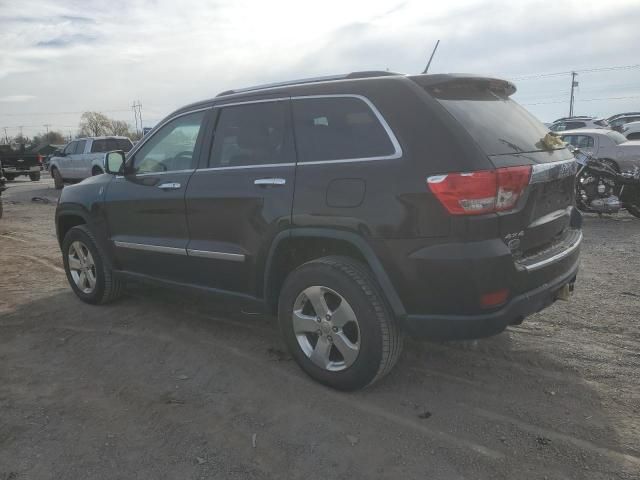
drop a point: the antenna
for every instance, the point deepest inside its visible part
(426, 69)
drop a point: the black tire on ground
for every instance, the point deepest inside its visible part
(9, 177)
(96, 171)
(58, 181)
(633, 210)
(108, 288)
(34, 177)
(380, 338)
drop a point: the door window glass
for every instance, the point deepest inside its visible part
(252, 134)
(80, 147)
(338, 128)
(69, 149)
(111, 144)
(171, 148)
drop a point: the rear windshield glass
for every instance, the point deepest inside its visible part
(498, 124)
(616, 137)
(110, 144)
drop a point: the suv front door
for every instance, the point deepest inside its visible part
(243, 196)
(146, 208)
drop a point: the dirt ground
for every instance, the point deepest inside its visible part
(168, 385)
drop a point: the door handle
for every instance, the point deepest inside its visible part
(169, 186)
(269, 181)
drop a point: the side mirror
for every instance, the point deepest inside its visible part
(114, 162)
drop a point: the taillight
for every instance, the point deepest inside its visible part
(484, 191)
(40, 158)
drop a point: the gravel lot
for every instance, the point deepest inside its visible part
(171, 385)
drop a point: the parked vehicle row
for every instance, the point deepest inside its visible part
(84, 157)
(607, 145)
(425, 205)
(574, 123)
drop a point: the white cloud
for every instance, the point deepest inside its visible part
(16, 98)
(95, 55)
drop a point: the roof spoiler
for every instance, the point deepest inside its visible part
(462, 78)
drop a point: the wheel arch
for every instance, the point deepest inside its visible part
(65, 221)
(320, 242)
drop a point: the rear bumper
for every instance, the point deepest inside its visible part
(450, 327)
(18, 171)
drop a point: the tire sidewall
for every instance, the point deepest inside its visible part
(366, 366)
(75, 234)
(57, 178)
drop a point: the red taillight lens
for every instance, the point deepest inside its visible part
(484, 191)
(40, 158)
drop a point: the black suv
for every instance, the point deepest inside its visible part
(360, 208)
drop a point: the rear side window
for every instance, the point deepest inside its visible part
(338, 128)
(498, 124)
(251, 135)
(109, 144)
(617, 137)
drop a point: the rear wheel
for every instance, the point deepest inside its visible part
(34, 176)
(96, 171)
(336, 323)
(87, 267)
(9, 177)
(58, 182)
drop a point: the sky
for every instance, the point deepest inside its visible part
(60, 58)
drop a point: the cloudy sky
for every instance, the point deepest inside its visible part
(59, 58)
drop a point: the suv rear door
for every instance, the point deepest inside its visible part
(146, 208)
(242, 196)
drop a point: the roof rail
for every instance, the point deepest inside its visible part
(327, 78)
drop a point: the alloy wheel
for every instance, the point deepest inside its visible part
(82, 267)
(326, 328)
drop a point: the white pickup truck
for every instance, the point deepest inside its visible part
(606, 145)
(84, 157)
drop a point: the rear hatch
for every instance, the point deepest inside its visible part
(539, 222)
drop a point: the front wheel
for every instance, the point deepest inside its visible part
(336, 323)
(34, 177)
(87, 267)
(58, 182)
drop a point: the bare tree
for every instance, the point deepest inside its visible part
(94, 124)
(119, 127)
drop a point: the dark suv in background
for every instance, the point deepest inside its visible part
(360, 208)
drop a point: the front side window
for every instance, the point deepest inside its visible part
(251, 135)
(338, 128)
(171, 148)
(617, 137)
(70, 148)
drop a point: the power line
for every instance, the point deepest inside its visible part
(585, 100)
(569, 72)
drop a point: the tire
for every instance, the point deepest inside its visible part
(105, 287)
(34, 177)
(10, 178)
(58, 181)
(633, 209)
(1, 208)
(96, 171)
(374, 337)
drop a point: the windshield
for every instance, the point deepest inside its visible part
(616, 137)
(498, 124)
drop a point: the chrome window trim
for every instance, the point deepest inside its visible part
(233, 257)
(150, 248)
(555, 258)
(247, 102)
(394, 141)
(243, 167)
(541, 172)
(153, 174)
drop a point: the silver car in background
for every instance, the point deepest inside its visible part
(84, 157)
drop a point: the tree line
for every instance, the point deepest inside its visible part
(92, 124)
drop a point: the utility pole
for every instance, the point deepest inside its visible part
(573, 85)
(6, 137)
(47, 125)
(431, 57)
(137, 114)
